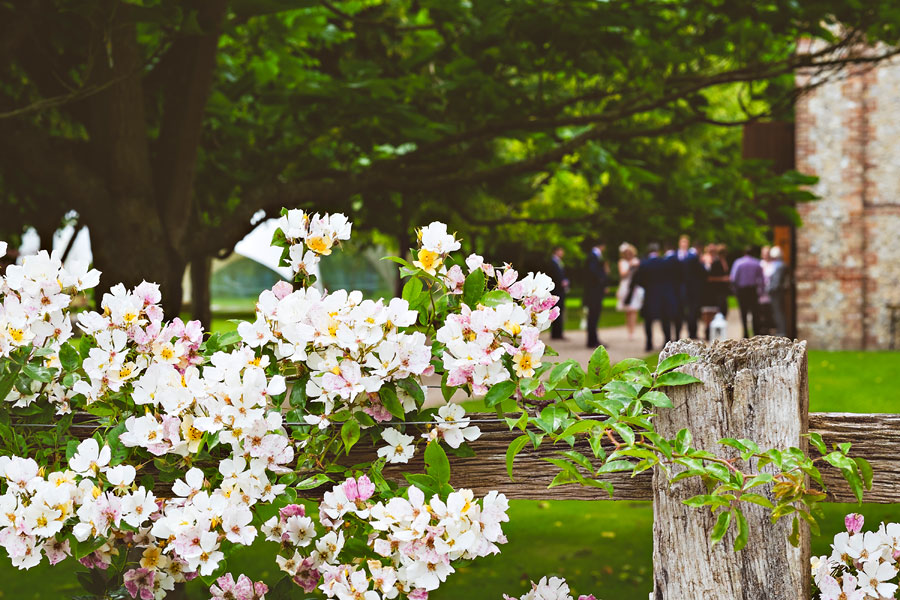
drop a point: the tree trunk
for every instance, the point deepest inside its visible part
(132, 249)
(200, 297)
(754, 389)
(188, 66)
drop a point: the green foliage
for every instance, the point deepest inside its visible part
(518, 121)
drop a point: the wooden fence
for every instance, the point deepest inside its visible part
(754, 389)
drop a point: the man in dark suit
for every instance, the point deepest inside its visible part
(658, 276)
(560, 288)
(693, 278)
(594, 290)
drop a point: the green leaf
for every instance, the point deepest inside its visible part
(706, 500)
(675, 378)
(816, 440)
(84, 346)
(560, 371)
(473, 288)
(514, 448)
(674, 361)
(71, 449)
(412, 387)
(38, 373)
(117, 450)
(82, 549)
(605, 485)
(528, 385)
(412, 292)
(840, 460)
(520, 422)
(615, 466)
(312, 482)
(794, 537)
(596, 442)
(424, 482)
(297, 399)
(599, 370)
(399, 261)
(349, 434)
(499, 393)
(743, 531)
(580, 459)
(682, 441)
(436, 463)
(583, 399)
(760, 479)
(580, 427)
(390, 401)
(229, 339)
(8, 380)
(621, 389)
(757, 499)
(657, 399)
(447, 391)
(551, 418)
(626, 365)
(865, 469)
(721, 526)
(364, 419)
(625, 432)
(565, 478)
(496, 298)
(69, 357)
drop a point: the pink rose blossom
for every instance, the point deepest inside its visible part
(139, 582)
(292, 510)
(854, 522)
(282, 289)
(358, 489)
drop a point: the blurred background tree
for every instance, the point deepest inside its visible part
(165, 126)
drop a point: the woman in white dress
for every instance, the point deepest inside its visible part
(629, 300)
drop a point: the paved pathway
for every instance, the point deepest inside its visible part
(615, 339)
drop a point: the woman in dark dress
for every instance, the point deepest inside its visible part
(717, 283)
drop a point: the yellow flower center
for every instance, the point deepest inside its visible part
(429, 260)
(194, 434)
(319, 244)
(525, 362)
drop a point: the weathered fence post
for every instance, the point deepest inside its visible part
(754, 389)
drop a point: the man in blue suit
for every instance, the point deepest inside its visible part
(658, 276)
(594, 290)
(557, 273)
(693, 278)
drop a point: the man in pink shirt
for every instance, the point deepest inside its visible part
(747, 279)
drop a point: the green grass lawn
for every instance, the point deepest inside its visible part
(600, 547)
(609, 316)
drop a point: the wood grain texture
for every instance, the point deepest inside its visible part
(875, 437)
(752, 389)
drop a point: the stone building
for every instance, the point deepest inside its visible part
(848, 249)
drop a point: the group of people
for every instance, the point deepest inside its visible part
(676, 285)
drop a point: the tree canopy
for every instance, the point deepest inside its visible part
(168, 125)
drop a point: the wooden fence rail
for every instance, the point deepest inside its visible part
(875, 437)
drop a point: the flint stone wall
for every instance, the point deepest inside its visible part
(848, 249)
